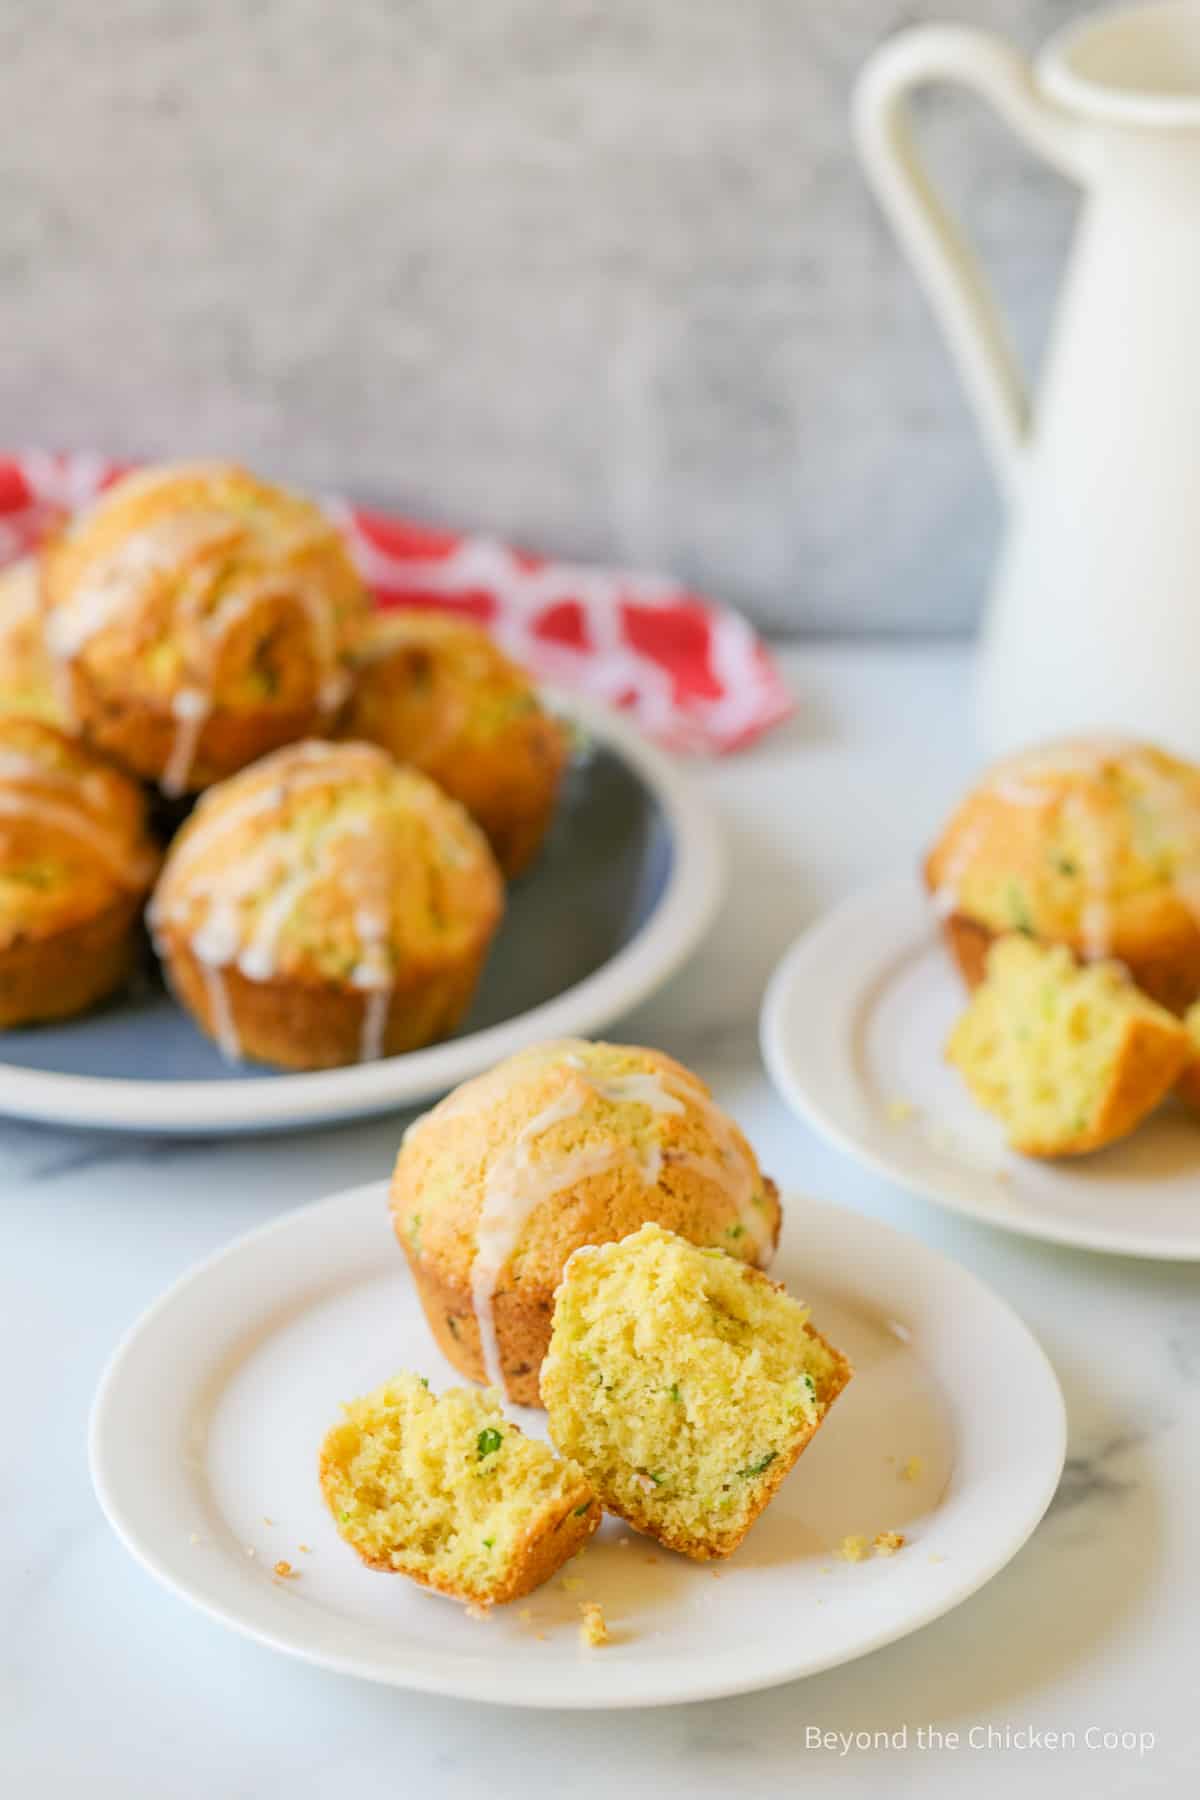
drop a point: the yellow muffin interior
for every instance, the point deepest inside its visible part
(443, 1487)
(677, 1378)
(1042, 1039)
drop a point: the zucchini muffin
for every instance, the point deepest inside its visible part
(326, 906)
(438, 693)
(447, 1491)
(565, 1144)
(199, 617)
(76, 863)
(685, 1385)
(26, 672)
(1068, 1058)
(1094, 844)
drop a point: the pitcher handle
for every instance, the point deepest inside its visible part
(945, 264)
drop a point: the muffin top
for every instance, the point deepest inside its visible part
(429, 684)
(574, 1143)
(1094, 842)
(73, 835)
(26, 671)
(328, 863)
(198, 588)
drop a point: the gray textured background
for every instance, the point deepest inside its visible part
(600, 274)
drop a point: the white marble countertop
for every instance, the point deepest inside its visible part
(110, 1686)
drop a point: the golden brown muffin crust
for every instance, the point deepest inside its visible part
(439, 694)
(200, 617)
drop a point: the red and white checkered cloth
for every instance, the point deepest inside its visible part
(692, 673)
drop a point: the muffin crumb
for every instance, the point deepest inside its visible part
(593, 1629)
(888, 1542)
(854, 1549)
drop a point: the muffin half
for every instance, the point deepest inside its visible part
(1094, 844)
(326, 906)
(448, 1491)
(76, 862)
(1070, 1059)
(439, 694)
(198, 618)
(685, 1385)
(566, 1144)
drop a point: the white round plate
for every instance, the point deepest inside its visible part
(206, 1427)
(853, 1028)
(627, 884)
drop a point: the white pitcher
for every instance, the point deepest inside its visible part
(1094, 620)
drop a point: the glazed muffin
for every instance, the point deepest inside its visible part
(75, 865)
(1093, 844)
(199, 617)
(566, 1144)
(438, 693)
(27, 685)
(1070, 1059)
(685, 1385)
(446, 1490)
(326, 906)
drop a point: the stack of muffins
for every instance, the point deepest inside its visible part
(314, 808)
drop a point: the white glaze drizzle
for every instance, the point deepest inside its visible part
(376, 1006)
(191, 707)
(515, 1186)
(220, 1012)
(735, 1165)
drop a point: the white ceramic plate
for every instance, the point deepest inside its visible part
(853, 1029)
(207, 1423)
(627, 884)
